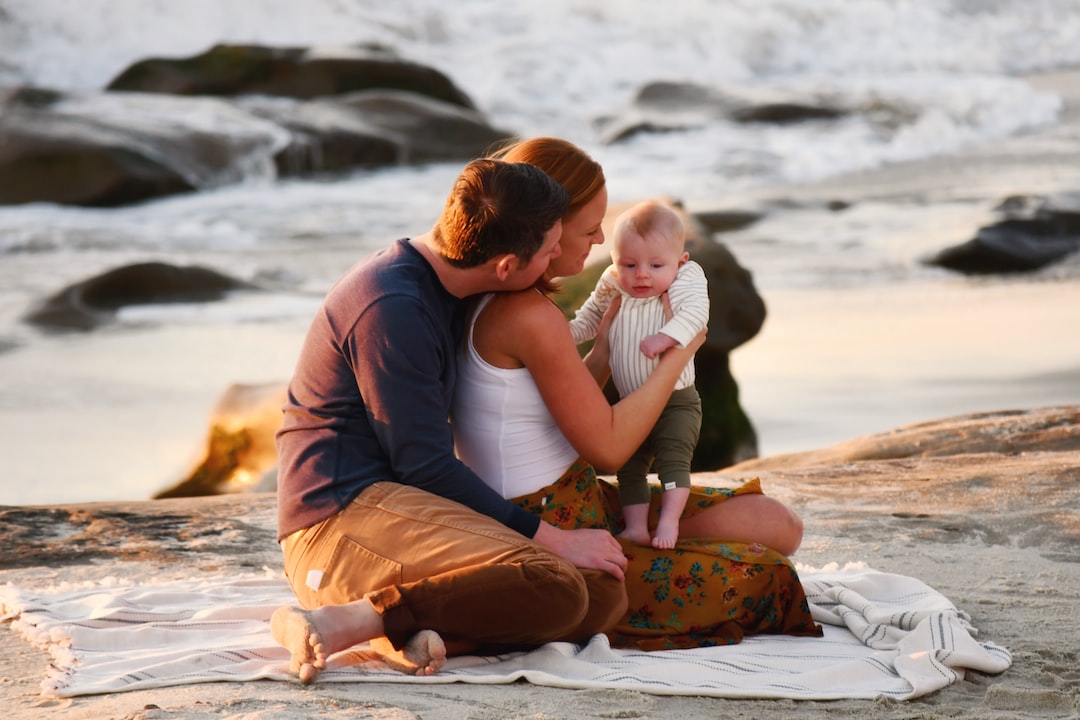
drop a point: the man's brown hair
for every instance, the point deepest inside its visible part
(498, 208)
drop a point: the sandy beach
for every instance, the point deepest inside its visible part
(995, 531)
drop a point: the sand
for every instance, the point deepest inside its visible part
(984, 508)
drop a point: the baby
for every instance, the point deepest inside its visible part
(648, 259)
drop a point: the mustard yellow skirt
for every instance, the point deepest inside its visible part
(704, 591)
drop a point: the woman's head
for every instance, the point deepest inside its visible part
(583, 179)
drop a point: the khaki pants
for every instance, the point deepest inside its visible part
(426, 562)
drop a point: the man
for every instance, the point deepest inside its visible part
(387, 536)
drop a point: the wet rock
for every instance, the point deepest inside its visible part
(45, 157)
(666, 106)
(1036, 231)
(295, 72)
(89, 303)
(98, 150)
(430, 130)
(717, 221)
(372, 129)
(289, 112)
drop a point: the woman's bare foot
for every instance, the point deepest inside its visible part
(423, 654)
(295, 630)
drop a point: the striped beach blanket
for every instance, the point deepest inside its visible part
(886, 636)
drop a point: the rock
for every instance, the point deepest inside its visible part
(45, 157)
(1004, 432)
(1007, 479)
(295, 72)
(236, 532)
(665, 106)
(240, 452)
(430, 130)
(96, 150)
(1036, 231)
(717, 221)
(291, 111)
(89, 303)
(373, 128)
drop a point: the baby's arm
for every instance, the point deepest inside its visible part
(689, 298)
(587, 319)
(653, 345)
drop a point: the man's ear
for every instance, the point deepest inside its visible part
(505, 265)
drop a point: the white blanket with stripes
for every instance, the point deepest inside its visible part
(886, 635)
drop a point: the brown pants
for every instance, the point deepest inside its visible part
(426, 562)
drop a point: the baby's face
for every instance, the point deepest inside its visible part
(646, 268)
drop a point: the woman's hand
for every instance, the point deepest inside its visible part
(586, 548)
(598, 359)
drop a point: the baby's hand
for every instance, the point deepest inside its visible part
(653, 345)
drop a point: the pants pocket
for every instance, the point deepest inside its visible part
(348, 574)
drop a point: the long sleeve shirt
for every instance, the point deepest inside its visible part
(640, 317)
(370, 398)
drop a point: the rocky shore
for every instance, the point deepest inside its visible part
(984, 508)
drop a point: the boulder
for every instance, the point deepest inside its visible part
(45, 157)
(296, 72)
(291, 112)
(96, 150)
(1036, 231)
(92, 302)
(373, 128)
(665, 106)
(240, 453)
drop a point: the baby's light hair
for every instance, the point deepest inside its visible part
(652, 220)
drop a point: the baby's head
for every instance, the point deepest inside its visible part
(648, 247)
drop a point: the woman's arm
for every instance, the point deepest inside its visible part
(532, 330)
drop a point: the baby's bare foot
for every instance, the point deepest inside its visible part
(666, 535)
(295, 630)
(423, 654)
(636, 535)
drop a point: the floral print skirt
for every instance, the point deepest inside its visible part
(705, 591)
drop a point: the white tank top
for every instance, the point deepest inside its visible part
(502, 429)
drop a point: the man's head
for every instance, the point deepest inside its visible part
(648, 246)
(498, 208)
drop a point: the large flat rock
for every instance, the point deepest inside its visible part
(984, 508)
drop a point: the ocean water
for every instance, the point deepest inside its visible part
(119, 413)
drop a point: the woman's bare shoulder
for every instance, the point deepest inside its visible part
(527, 306)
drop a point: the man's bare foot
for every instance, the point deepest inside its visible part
(294, 629)
(637, 535)
(423, 654)
(666, 535)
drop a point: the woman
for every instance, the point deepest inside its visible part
(527, 411)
